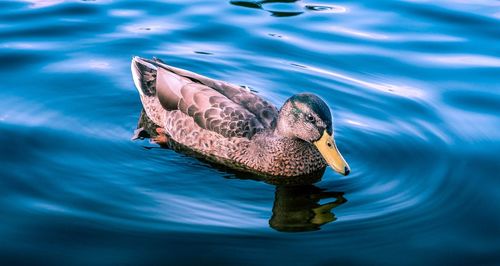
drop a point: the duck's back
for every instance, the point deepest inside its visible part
(217, 106)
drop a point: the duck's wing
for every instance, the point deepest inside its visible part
(265, 112)
(228, 114)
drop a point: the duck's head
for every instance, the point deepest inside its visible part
(307, 117)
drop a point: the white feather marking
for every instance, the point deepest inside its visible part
(136, 74)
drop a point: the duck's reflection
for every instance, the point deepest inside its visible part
(297, 206)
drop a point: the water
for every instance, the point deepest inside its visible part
(414, 87)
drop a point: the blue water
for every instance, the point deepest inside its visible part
(415, 91)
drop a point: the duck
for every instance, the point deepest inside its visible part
(233, 126)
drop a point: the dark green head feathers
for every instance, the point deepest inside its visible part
(316, 109)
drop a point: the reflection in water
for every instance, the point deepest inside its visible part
(296, 206)
(286, 8)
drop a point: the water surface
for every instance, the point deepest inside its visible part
(413, 86)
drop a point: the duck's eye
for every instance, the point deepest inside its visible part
(310, 117)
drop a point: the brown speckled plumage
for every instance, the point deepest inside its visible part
(227, 123)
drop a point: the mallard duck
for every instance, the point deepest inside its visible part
(233, 126)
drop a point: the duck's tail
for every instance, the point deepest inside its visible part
(144, 75)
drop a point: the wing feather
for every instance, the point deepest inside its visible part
(265, 112)
(210, 109)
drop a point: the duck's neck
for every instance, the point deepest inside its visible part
(283, 122)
